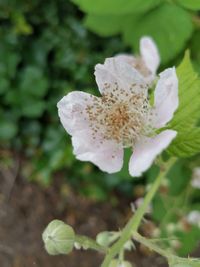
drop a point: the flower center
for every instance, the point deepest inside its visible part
(120, 117)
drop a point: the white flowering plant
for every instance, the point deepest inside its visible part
(148, 114)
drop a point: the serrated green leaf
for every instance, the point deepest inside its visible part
(116, 7)
(189, 97)
(169, 25)
(190, 4)
(187, 142)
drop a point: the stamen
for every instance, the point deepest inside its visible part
(119, 115)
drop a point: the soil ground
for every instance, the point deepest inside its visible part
(26, 209)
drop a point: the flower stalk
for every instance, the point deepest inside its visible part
(88, 243)
(133, 224)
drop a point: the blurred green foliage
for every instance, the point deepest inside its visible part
(47, 51)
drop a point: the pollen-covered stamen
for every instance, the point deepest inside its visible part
(119, 116)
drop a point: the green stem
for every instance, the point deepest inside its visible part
(135, 220)
(148, 243)
(88, 243)
(171, 258)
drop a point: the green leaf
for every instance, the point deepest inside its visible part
(33, 81)
(187, 142)
(116, 7)
(190, 240)
(33, 108)
(4, 85)
(195, 51)
(169, 25)
(188, 111)
(104, 25)
(8, 130)
(190, 4)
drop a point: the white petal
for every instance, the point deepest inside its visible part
(131, 60)
(165, 98)
(71, 110)
(147, 149)
(150, 54)
(107, 155)
(115, 71)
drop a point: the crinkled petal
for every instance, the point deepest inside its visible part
(116, 74)
(71, 110)
(131, 60)
(165, 98)
(150, 54)
(107, 155)
(147, 149)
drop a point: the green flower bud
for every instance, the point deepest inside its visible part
(105, 238)
(58, 238)
(125, 264)
(117, 263)
(129, 245)
(114, 263)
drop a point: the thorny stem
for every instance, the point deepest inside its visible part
(133, 224)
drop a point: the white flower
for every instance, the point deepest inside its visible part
(195, 182)
(194, 217)
(101, 127)
(147, 63)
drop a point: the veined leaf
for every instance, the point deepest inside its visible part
(186, 117)
(187, 143)
(189, 96)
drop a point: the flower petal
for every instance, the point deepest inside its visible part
(165, 98)
(115, 73)
(107, 155)
(150, 54)
(147, 149)
(71, 110)
(131, 60)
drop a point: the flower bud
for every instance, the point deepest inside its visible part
(117, 263)
(58, 238)
(106, 238)
(114, 263)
